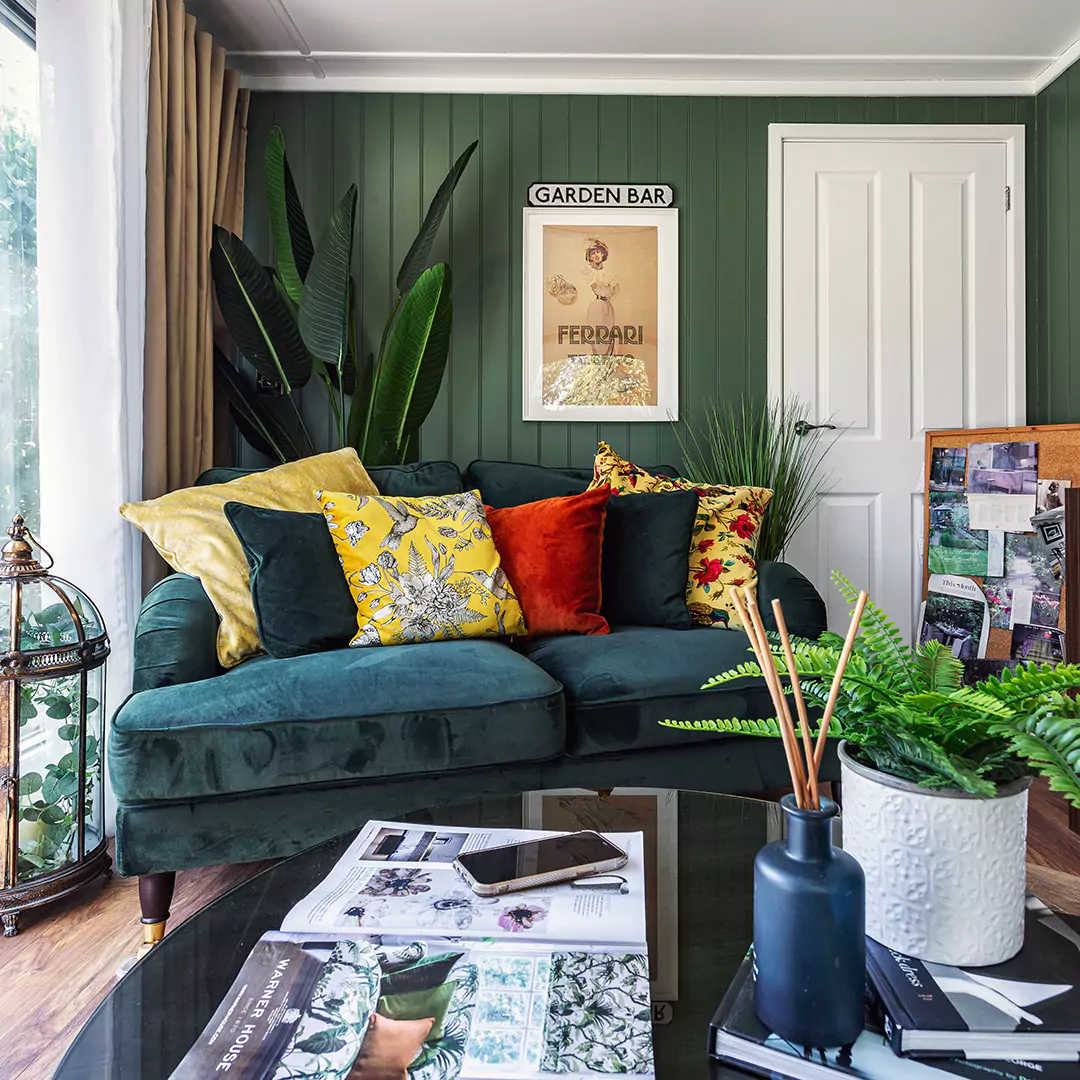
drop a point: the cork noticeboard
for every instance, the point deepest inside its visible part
(1059, 459)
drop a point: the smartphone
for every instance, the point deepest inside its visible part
(492, 871)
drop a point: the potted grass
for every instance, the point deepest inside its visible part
(935, 778)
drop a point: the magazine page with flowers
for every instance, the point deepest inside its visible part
(398, 878)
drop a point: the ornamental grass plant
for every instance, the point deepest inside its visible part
(773, 445)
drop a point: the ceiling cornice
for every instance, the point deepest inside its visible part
(690, 74)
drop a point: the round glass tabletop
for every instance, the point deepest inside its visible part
(699, 858)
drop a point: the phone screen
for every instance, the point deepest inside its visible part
(537, 857)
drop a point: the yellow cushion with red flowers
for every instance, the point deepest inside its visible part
(724, 539)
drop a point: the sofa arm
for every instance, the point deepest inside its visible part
(804, 609)
(176, 635)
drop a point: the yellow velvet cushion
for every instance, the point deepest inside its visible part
(191, 533)
(421, 569)
(724, 539)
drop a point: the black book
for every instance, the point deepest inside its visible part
(737, 1037)
(1027, 1007)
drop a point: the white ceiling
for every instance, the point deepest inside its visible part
(677, 46)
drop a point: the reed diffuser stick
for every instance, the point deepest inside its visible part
(800, 704)
(747, 610)
(838, 677)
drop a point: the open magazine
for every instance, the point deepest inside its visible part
(392, 966)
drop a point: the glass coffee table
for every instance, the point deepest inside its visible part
(699, 858)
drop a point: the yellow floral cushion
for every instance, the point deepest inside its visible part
(724, 538)
(421, 569)
(190, 532)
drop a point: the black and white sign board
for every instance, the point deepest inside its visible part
(591, 196)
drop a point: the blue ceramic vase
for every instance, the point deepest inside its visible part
(809, 927)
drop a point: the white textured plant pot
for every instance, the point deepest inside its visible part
(945, 875)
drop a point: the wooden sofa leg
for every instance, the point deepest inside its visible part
(155, 896)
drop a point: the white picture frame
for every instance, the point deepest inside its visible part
(647, 360)
(662, 875)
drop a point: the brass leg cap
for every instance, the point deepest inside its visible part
(153, 932)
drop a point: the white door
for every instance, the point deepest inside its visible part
(898, 315)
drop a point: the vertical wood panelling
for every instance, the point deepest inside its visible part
(713, 151)
(497, 327)
(1058, 212)
(1070, 225)
(524, 169)
(642, 442)
(437, 157)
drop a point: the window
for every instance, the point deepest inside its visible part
(18, 268)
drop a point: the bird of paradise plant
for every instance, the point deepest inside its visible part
(298, 318)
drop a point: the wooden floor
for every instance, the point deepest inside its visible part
(64, 959)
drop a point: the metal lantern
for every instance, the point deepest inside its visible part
(53, 647)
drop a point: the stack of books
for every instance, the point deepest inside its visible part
(1014, 1021)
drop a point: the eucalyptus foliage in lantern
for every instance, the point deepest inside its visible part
(53, 647)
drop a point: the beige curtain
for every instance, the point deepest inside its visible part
(196, 141)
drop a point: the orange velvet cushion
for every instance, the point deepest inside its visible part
(389, 1048)
(550, 551)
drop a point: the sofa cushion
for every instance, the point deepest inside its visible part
(348, 714)
(417, 478)
(619, 686)
(550, 551)
(647, 557)
(189, 531)
(511, 483)
(301, 598)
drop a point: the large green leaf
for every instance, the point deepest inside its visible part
(324, 303)
(258, 426)
(415, 358)
(255, 313)
(288, 225)
(416, 258)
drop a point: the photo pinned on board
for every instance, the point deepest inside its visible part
(1050, 495)
(1041, 644)
(956, 614)
(1029, 564)
(999, 598)
(948, 468)
(1003, 468)
(955, 548)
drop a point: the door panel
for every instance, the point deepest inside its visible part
(894, 322)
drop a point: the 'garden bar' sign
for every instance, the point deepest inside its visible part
(590, 196)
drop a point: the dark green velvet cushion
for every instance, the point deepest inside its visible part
(619, 686)
(804, 609)
(646, 558)
(302, 601)
(348, 714)
(419, 1005)
(423, 975)
(176, 635)
(511, 483)
(416, 479)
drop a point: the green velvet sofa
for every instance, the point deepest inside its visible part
(274, 755)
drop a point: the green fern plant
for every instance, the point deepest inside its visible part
(904, 711)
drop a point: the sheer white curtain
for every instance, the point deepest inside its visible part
(93, 57)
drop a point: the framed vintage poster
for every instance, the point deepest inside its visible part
(601, 314)
(653, 812)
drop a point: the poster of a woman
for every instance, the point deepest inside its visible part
(600, 314)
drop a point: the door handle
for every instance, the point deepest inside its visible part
(803, 428)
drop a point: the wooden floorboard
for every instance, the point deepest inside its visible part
(63, 962)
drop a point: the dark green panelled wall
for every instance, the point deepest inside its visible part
(1058, 393)
(713, 151)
